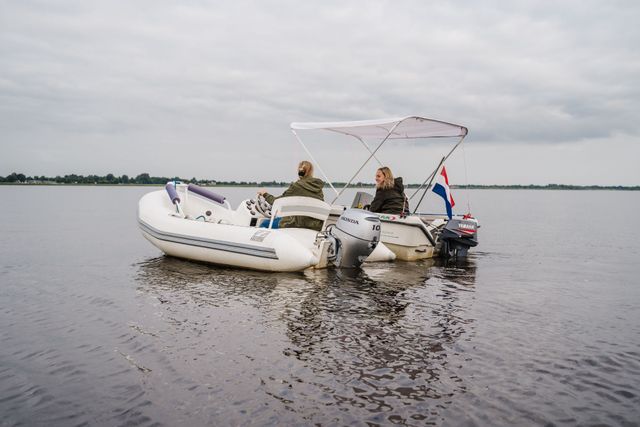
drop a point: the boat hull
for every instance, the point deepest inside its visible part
(224, 244)
(406, 237)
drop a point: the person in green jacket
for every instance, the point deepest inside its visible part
(390, 197)
(306, 186)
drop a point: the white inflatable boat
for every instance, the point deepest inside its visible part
(191, 222)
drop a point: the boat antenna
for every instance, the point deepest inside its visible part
(373, 153)
(324, 175)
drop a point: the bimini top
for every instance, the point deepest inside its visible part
(405, 128)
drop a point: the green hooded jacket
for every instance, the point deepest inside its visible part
(307, 187)
(390, 200)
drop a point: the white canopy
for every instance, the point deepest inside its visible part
(407, 128)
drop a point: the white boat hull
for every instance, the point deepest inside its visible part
(219, 235)
(224, 244)
(405, 237)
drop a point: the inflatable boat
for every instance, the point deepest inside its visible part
(191, 222)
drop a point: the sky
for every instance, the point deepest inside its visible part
(549, 90)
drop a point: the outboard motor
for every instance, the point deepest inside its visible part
(458, 235)
(355, 236)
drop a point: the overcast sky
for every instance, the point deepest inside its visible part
(550, 91)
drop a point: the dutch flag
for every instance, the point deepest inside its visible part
(441, 187)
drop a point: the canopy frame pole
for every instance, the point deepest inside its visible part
(433, 174)
(373, 153)
(327, 180)
(368, 149)
(431, 177)
(421, 185)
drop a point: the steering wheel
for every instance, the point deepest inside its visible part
(262, 206)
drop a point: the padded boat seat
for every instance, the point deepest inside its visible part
(299, 206)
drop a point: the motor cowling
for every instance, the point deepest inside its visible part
(458, 235)
(357, 233)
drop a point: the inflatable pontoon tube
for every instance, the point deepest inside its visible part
(206, 193)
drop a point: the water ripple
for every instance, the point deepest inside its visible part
(539, 327)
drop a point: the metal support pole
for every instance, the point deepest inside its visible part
(373, 153)
(423, 183)
(368, 149)
(436, 169)
(324, 175)
(433, 175)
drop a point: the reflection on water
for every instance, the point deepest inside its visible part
(378, 344)
(534, 330)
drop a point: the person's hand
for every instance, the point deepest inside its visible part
(262, 192)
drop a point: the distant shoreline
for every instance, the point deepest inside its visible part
(145, 179)
(341, 184)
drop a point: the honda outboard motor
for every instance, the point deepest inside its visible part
(458, 235)
(355, 236)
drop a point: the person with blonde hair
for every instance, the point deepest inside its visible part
(390, 197)
(306, 186)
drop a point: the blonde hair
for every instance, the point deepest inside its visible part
(306, 168)
(388, 181)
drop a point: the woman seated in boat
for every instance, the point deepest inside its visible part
(306, 186)
(390, 197)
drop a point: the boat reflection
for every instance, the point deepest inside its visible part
(388, 331)
(167, 277)
(378, 339)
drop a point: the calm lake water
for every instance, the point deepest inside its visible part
(541, 326)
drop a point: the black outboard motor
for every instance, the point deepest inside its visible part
(354, 237)
(458, 235)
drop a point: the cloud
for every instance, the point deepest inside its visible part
(151, 76)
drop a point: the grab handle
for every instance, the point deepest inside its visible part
(173, 194)
(207, 193)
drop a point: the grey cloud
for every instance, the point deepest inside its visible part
(523, 72)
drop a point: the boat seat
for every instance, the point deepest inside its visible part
(361, 199)
(299, 206)
(264, 222)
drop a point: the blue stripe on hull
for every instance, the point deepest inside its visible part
(220, 245)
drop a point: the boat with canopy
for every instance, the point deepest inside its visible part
(417, 235)
(195, 223)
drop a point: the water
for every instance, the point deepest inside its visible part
(539, 327)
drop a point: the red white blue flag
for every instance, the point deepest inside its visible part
(441, 187)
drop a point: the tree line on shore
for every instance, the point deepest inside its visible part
(141, 179)
(146, 179)
(111, 179)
